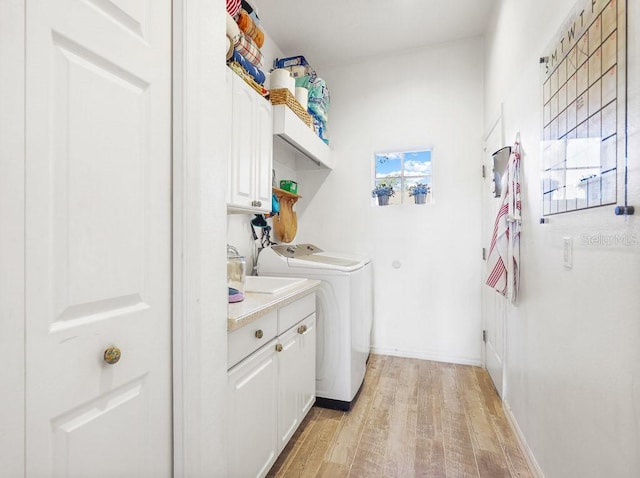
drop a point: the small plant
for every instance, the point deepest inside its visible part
(382, 189)
(419, 189)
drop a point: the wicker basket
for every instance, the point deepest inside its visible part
(282, 96)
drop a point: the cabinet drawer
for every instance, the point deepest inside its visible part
(246, 340)
(291, 314)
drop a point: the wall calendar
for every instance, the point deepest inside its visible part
(584, 111)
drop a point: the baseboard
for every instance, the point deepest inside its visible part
(522, 442)
(425, 356)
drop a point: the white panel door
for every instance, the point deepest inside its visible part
(98, 229)
(494, 306)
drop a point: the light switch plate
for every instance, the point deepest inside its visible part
(567, 251)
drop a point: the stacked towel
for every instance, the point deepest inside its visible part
(233, 30)
(233, 7)
(252, 30)
(255, 73)
(249, 50)
(245, 53)
(319, 99)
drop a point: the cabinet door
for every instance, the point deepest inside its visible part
(241, 168)
(253, 395)
(307, 359)
(297, 377)
(288, 388)
(263, 154)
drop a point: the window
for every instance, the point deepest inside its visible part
(408, 172)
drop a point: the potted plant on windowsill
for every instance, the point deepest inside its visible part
(383, 192)
(419, 192)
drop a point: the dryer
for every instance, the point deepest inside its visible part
(344, 314)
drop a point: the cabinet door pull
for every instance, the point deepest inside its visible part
(302, 329)
(112, 355)
(256, 203)
(278, 347)
(259, 334)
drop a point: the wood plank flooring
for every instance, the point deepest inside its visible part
(414, 418)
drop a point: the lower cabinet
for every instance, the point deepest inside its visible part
(296, 378)
(253, 393)
(270, 392)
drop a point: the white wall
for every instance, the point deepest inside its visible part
(199, 299)
(429, 307)
(12, 276)
(573, 351)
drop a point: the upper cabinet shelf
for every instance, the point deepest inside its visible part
(294, 132)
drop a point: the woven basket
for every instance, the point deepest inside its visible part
(282, 96)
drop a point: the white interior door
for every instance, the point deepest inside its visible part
(98, 237)
(494, 306)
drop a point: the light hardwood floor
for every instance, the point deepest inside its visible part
(414, 418)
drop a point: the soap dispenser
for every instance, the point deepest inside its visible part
(236, 270)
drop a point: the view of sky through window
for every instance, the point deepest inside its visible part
(404, 170)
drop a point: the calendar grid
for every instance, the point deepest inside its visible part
(581, 110)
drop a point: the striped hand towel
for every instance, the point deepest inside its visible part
(504, 250)
(233, 7)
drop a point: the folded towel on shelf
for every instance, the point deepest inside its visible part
(248, 79)
(253, 71)
(233, 30)
(251, 9)
(233, 7)
(318, 99)
(248, 26)
(229, 48)
(249, 50)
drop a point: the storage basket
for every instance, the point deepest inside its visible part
(282, 96)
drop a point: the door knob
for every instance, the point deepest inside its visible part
(112, 355)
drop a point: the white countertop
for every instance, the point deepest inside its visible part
(256, 305)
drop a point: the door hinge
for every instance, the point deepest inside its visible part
(484, 171)
(484, 253)
(484, 336)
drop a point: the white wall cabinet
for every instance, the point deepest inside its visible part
(271, 386)
(251, 152)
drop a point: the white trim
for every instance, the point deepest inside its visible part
(426, 355)
(199, 232)
(497, 123)
(178, 231)
(12, 229)
(522, 442)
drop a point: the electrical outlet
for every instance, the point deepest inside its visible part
(567, 251)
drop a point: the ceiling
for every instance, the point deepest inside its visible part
(335, 32)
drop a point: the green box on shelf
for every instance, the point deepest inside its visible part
(289, 185)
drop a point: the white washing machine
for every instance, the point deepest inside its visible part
(344, 313)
